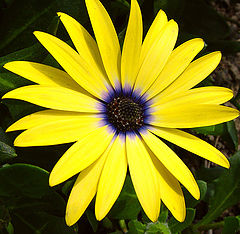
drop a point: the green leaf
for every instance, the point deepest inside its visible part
(116, 232)
(232, 131)
(34, 207)
(215, 130)
(23, 180)
(157, 228)
(10, 81)
(173, 8)
(226, 46)
(57, 225)
(40, 223)
(92, 219)
(190, 201)
(196, 18)
(17, 20)
(33, 53)
(5, 220)
(53, 26)
(67, 187)
(10, 228)
(227, 190)
(231, 225)
(163, 214)
(19, 109)
(127, 205)
(136, 227)
(176, 226)
(6, 152)
(209, 174)
(17, 23)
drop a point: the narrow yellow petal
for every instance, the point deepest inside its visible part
(106, 38)
(82, 154)
(132, 46)
(84, 43)
(197, 71)
(42, 74)
(157, 56)
(176, 64)
(84, 190)
(171, 192)
(54, 97)
(42, 117)
(202, 95)
(192, 144)
(112, 178)
(144, 176)
(59, 131)
(172, 162)
(153, 33)
(191, 116)
(73, 64)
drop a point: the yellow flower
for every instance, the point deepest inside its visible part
(117, 105)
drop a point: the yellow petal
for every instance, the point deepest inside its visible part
(171, 192)
(157, 56)
(84, 43)
(54, 97)
(153, 33)
(197, 71)
(79, 156)
(203, 95)
(176, 64)
(172, 162)
(84, 190)
(192, 144)
(73, 64)
(42, 74)
(144, 176)
(191, 116)
(132, 46)
(42, 117)
(106, 38)
(63, 130)
(112, 178)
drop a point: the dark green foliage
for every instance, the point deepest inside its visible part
(226, 191)
(127, 205)
(176, 226)
(28, 204)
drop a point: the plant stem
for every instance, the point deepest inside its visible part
(209, 226)
(123, 225)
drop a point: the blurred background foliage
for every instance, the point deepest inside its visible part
(29, 205)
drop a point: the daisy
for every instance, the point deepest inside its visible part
(117, 106)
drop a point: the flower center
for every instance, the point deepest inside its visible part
(125, 114)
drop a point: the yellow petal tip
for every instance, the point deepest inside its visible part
(9, 129)
(52, 180)
(218, 54)
(4, 96)
(226, 164)
(70, 220)
(99, 217)
(197, 195)
(37, 33)
(61, 14)
(7, 65)
(180, 215)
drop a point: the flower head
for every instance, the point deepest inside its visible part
(116, 106)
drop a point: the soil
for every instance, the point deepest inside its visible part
(227, 73)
